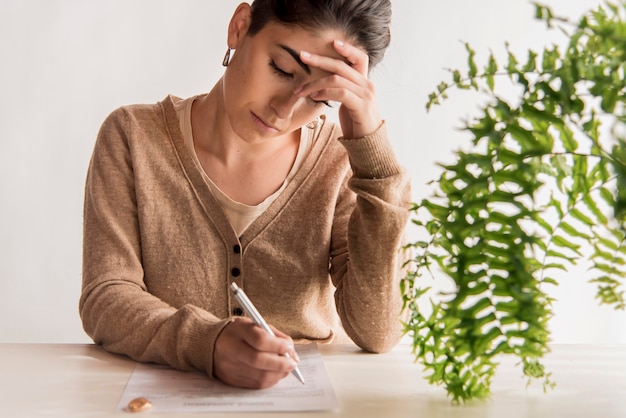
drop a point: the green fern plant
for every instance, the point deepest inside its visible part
(542, 187)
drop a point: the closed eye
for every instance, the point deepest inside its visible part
(284, 74)
(279, 71)
(324, 102)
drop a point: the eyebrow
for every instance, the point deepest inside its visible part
(296, 56)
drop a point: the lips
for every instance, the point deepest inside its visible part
(262, 124)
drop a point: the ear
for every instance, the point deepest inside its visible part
(238, 26)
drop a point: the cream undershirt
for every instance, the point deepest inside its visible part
(241, 215)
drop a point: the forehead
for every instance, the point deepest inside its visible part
(318, 42)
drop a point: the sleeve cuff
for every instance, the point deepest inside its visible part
(372, 156)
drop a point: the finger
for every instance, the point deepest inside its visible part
(261, 340)
(275, 347)
(342, 82)
(337, 91)
(238, 363)
(254, 379)
(335, 88)
(240, 374)
(244, 337)
(292, 350)
(357, 58)
(270, 362)
(331, 66)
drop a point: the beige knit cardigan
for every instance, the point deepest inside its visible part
(159, 253)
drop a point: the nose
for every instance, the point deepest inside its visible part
(284, 104)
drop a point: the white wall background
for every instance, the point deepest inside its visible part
(65, 64)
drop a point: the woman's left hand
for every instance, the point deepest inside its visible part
(348, 84)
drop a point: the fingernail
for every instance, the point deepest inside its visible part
(305, 54)
(339, 43)
(298, 90)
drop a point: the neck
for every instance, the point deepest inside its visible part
(214, 134)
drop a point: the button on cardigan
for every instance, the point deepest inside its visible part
(323, 261)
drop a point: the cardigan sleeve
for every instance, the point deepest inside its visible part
(366, 256)
(116, 309)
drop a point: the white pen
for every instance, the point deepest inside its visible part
(249, 308)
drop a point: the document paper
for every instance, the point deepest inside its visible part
(171, 390)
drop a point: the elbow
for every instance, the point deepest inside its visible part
(378, 347)
(380, 342)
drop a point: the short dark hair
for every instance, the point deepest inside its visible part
(365, 22)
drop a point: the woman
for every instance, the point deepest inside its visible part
(250, 184)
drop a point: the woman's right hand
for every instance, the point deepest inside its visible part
(247, 356)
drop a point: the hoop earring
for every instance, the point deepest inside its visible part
(226, 59)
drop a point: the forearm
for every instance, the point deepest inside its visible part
(368, 270)
(127, 320)
(368, 294)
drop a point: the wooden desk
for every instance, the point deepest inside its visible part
(57, 380)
